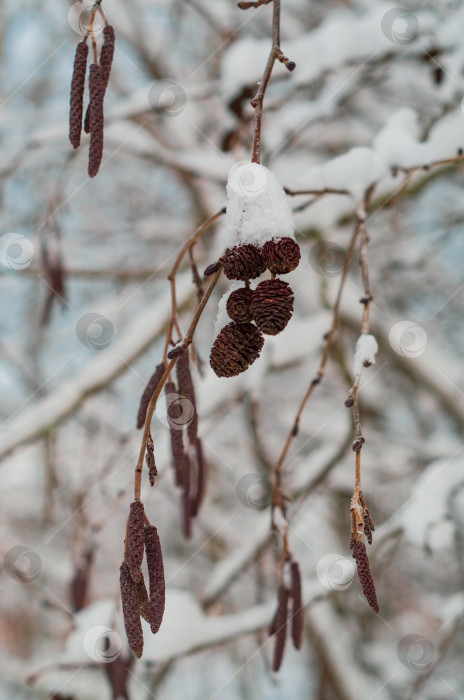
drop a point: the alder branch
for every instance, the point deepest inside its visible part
(152, 405)
(277, 499)
(275, 55)
(187, 247)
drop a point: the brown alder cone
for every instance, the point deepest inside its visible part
(272, 306)
(76, 105)
(131, 610)
(179, 457)
(279, 627)
(136, 539)
(236, 347)
(97, 93)
(148, 393)
(243, 262)
(281, 255)
(186, 388)
(157, 585)
(297, 607)
(239, 305)
(365, 576)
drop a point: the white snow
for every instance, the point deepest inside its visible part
(257, 207)
(366, 349)
(340, 39)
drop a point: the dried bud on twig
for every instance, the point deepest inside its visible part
(150, 460)
(279, 627)
(282, 255)
(235, 349)
(131, 610)
(297, 609)
(157, 586)
(148, 393)
(97, 88)
(365, 576)
(186, 388)
(211, 269)
(272, 306)
(243, 262)
(136, 538)
(239, 305)
(77, 94)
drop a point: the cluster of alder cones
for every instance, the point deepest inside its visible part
(137, 602)
(99, 75)
(253, 312)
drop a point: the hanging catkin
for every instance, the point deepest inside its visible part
(365, 576)
(297, 606)
(131, 610)
(97, 88)
(76, 106)
(136, 539)
(148, 393)
(157, 586)
(186, 388)
(107, 53)
(279, 627)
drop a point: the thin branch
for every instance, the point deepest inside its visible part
(152, 405)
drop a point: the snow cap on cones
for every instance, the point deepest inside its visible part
(257, 207)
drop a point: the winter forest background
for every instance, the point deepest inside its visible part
(375, 100)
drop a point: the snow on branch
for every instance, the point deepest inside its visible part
(111, 362)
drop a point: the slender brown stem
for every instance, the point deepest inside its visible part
(258, 99)
(152, 405)
(187, 247)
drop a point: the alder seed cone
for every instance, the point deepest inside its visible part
(281, 255)
(239, 305)
(272, 306)
(243, 262)
(237, 346)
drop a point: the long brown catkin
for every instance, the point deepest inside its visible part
(157, 585)
(76, 102)
(131, 610)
